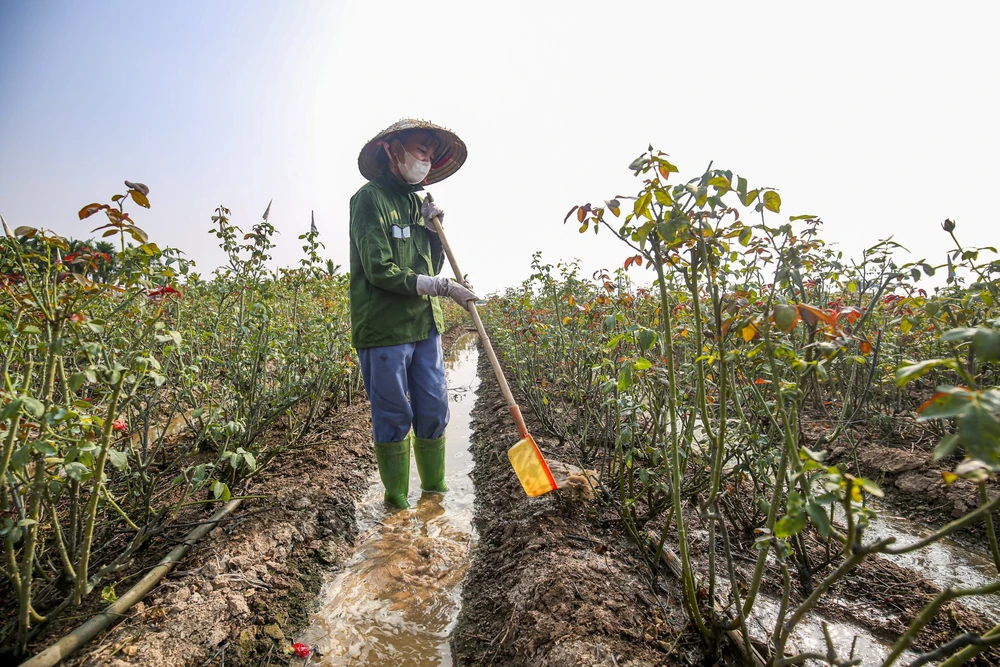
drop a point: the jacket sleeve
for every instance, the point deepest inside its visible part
(368, 230)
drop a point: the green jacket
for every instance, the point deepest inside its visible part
(389, 247)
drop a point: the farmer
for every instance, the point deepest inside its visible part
(396, 320)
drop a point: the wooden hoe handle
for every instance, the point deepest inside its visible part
(494, 362)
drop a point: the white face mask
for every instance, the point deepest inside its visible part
(413, 170)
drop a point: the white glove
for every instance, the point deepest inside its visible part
(440, 286)
(429, 210)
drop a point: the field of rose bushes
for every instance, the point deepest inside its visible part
(109, 352)
(709, 375)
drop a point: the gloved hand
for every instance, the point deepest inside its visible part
(440, 286)
(429, 209)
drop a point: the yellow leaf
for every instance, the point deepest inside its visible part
(856, 493)
(749, 331)
(139, 198)
(566, 320)
(949, 477)
(905, 325)
(772, 201)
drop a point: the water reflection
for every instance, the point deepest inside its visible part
(397, 599)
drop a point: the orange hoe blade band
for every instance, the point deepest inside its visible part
(528, 463)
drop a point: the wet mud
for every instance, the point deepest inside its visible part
(553, 582)
(396, 600)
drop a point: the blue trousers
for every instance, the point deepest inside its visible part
(407, 388)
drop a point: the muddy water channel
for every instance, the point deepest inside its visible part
(396, 601)
(946, 563)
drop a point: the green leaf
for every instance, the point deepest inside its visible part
(221, 491)
(624, 378)
(946, 447)
(869, 486)
(118, 459)
(802, 217)
(746, 236)
(956, 335)
(646, 339)
(31, 329)
(979, 433)
(722, 183)
(819, 518)
(772, 201)
(34, 407)
(790, 524)
(76, 470)
(986, 344)
(952, 402)
(642, 364)
(76, 381)
(638, 163)
(909, 371)
(11, 409)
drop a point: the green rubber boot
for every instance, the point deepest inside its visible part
(394, 469)
(430, 463)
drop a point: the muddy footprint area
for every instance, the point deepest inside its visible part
(396, 599)
(552, 582)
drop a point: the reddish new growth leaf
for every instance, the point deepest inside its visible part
(163, 292)
(852, 313)
(91, 209)
(811, 315)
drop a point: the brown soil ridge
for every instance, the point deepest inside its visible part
(552, 582)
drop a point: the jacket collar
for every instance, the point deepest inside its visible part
(394, 183)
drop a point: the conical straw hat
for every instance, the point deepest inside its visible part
(448, 159)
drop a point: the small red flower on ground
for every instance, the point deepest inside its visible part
(302, 650)
(120, 425)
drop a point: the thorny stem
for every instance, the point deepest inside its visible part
(984, 500)
(666, 347)
(82, 587)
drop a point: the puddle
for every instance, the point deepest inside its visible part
(808, 635)
(946, 562)
(398, 597)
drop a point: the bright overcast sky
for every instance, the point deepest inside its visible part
(879, 116)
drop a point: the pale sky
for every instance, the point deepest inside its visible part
(881, 117)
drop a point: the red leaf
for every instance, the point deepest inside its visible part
(570, 213)
(811, 315)
(91, 209)
(853, 313)
(926, 404)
